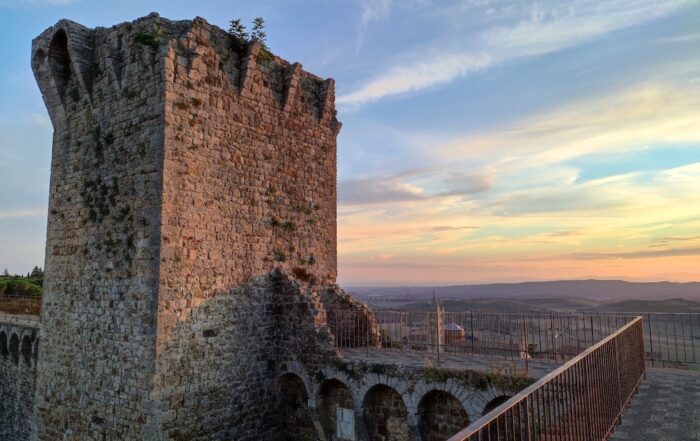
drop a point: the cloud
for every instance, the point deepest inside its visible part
(630, 119)
(638, 254)
(547, 29)
(450, 228)
(22, 214)
(373, 10)
(436, 70)
(376, 191)
(459, 183)
(399, 188)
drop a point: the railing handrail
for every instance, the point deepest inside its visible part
(500, 410)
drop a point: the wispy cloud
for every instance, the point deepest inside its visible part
(629, 119)
(15, 214)
(638, 254)
(546, 29)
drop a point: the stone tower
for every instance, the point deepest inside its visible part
(191, 239)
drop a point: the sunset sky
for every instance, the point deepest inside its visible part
(482, 141)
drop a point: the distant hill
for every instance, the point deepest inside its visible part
(670, 305)
(600, 291)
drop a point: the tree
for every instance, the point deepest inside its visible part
(237, 29)
(259, 31)
(6, 273)
(36, 272)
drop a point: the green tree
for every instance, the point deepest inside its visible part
(259, 33)
(37, 272)
(237, 29)
(6, 273)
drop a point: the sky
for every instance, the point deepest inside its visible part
(482, 141)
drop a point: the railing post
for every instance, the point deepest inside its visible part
(437, 334)
(619, 386)
(587, 391)
(367, 340)
(527, 347)
(651, 342)
(471, 324)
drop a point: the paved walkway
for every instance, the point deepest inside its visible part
(20, 319)
(474, 362)
(667, 408)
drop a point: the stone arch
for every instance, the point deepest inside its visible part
(14, 348)
(3, 344)
(451, 386)
(297, 422)
(26, 350)
(385, 414)
(60, 61)
(494, 403)
(300, 371)
(440, 415)
(333, 394)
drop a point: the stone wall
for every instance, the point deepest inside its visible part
(18, 354)
(192, 226)
(105, 96)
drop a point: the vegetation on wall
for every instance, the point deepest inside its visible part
(21, 294)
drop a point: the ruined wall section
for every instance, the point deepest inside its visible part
(18, 355)
(104, 92)
(249, 228)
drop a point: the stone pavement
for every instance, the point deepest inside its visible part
(667, 408)
(460, 361)
(20, 319)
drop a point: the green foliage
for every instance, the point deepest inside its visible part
(434, 375)
(21, 285)
(237, 29)
(241, 38)
(259, 33)
(151, 39)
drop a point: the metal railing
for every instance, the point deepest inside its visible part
(580, 400)
(671, 339)
(541, 336)
(20, 303)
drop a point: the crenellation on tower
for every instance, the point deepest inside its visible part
(191, 230)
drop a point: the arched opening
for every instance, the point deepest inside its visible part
(509, 427)
(385, 414)
(14, 348)
(26, 350)
(494, 404)
(296, 416)
(440, 415)
(59, 61)
(336, 400)
(3, 344)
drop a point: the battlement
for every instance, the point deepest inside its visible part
(74, 64)
(191, 229)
